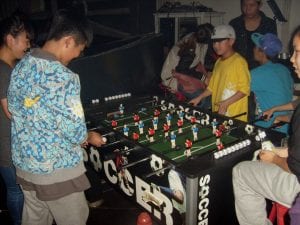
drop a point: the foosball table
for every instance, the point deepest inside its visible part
(172, 159)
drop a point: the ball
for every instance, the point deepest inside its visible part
(144, 219)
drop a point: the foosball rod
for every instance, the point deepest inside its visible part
(157, 171)
(112, 143)
(136, 162)
(238, 115)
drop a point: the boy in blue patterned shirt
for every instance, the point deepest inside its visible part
(48, 126)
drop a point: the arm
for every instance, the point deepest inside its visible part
(286, 107)
(169, 65)
(283, 118)
(195, 101)
(277, 157)
(5, 108)
(223, 105)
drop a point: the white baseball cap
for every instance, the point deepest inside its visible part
(223, 31)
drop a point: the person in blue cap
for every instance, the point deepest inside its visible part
(271, 82)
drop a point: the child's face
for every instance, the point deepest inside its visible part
(19, 44)
(257, 53)
(71, 51)
(223, 47)
(295, 59)
(250, 8)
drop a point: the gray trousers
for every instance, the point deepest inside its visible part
(69, 210)
(255, 181)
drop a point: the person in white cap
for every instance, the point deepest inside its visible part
(230, 82)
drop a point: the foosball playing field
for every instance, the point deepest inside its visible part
(171, 132)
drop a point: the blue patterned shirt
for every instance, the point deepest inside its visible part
(47, 117)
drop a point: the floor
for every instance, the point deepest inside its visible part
(116, 210)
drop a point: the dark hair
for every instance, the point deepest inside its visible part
(295, 33)
(204, 32)
(14, 25)
(258, 1)
(68, 22)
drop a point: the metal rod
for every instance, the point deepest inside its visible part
(137, 162)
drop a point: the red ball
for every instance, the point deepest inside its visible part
(144, 219)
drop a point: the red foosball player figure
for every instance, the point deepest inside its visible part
(219, 144)
(119, 161)
(136, 119)
(218, 133)
(156, 113)
(188, 145)
(193, 120)
(135, 136)
(114, 124)
(151, 133)
(166, 128)
(179, 124)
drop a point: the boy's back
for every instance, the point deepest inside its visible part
(39, 98)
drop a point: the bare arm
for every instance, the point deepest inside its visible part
(277, 157)
(286, 107)
(223, 105)
(195, 101)
(5, 108)
(283, 118)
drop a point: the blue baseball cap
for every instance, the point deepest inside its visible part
(269, 43)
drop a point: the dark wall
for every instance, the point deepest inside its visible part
(134, 67)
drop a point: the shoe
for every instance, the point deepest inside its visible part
(95, 204)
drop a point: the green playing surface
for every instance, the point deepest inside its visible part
(206, 140)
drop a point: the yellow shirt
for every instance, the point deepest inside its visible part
(229, 76)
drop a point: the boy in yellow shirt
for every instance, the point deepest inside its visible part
(230, 82)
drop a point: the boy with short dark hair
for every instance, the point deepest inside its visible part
(279, 88)
(14, 42)
(230, 82)
(48, 126)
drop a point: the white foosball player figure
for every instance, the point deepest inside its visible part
(173, 139)
(181, 115)
(214, 125)
(125, 130)
(121, 109)
(195, 130)
(155, 123)
(141, 127)
(169, 118)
